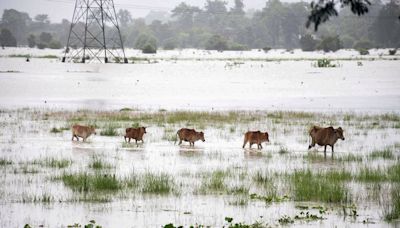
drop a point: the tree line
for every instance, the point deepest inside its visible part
(219, 27)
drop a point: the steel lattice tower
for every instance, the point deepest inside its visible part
(94, 34)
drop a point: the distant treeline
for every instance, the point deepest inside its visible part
(217, 27)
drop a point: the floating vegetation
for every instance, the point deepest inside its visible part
(325, 63)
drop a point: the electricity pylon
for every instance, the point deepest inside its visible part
(94, 35)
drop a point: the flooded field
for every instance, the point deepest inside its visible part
(159, 182)
(48, 180)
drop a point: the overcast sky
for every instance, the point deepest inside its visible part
(59, 9)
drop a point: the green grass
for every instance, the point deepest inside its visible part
(214, 181)
(4, 162)
(323, 186)
(161, 183)
(239, 190)
(109, 130)
(98, 163)
(350, 158)
(83, 182)
(366, 174)
(393, 212)
(59, 130)
(57, 163)
(385, 154)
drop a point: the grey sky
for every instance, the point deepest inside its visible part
(59, 9)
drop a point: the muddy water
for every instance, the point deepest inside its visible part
(206, 85)
(24, 139)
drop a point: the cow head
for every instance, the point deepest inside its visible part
(201, 134)
(144, 130)
(339, 133)
(92, 130)
(266, 136)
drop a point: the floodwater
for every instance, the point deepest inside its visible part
(44, 85)
(204, 84)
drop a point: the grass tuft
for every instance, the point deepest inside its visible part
(157, 183)
(324, 187)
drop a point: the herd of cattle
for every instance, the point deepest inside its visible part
(321, 136)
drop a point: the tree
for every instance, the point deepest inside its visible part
(16, 22)
(31, 41)
(125, 17)
(217, 42)
(7, 39)
(185, 15)
(146, 42)
(324, 9)
(386, 27)
(45, 37)
(238, 8)
(42, 18)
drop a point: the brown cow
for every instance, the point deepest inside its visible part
(255, 137)
(189, 135)
(135, 133)
(82, 131)
(325, 136)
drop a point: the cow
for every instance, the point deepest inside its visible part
(255, 137)
(135, 133)
(325, 136)
(189, 135)
(82, 131)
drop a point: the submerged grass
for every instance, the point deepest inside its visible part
(4, 162)
(109, 130)
(214, 181)
(323, 186)
(98, 163)
(161, 183)
(83, 182)
(385, 154)
(393, 212)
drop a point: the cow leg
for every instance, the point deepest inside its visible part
(312, 143)
(136, 141)
(84, 139)
(73, 136)
(180, 142)
(332, 149)
(244, 143)
(125, 138)
(129, 140)
(260, 146)
(77, 138)
(250, 145)
(325, 149)
(193, 144)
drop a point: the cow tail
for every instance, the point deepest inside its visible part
(176, 139)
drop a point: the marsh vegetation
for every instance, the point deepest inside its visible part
(300, 186)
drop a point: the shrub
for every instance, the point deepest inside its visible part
(363, 44)
(392, 52)
(308, 42)
(170, 44)
(330, 43)
(363, 51)
(55, 44)
(149, 49)
(216, 42)
(41, 45)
